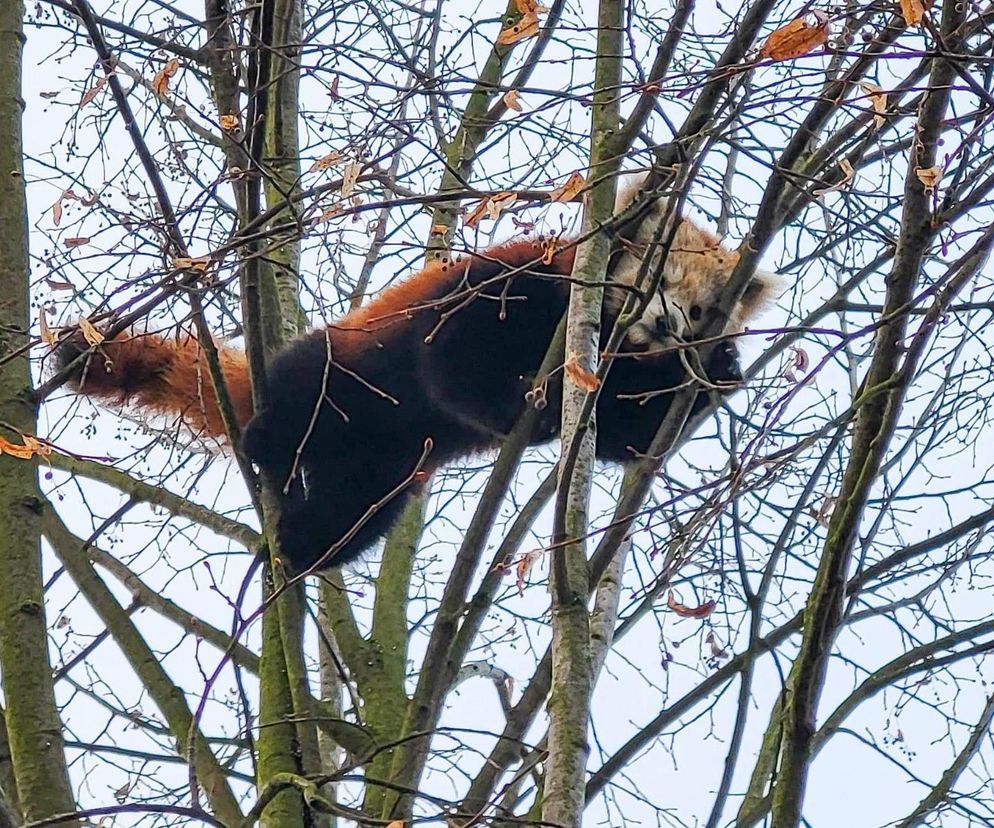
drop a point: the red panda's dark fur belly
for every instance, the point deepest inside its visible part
(448, 357)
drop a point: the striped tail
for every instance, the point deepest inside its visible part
(159, 375)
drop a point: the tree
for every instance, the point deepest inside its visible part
(791, 584)
(35, 781)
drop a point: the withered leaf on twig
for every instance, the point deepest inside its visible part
(160, 83)
(929, 177)
(325, 162)
(878, 99)
(90, 333)
(571, 189)
(913, 11)
(92, 92)
(797, 38)
(511, 100)
(580, 376)
(703, 611)
(527, 26)
(32, 447)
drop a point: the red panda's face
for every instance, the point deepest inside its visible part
(680, 308)
(661, 322)
(695, 269)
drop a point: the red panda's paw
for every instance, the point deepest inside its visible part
(255, 438)
(301, 539)
(723, 366)
(334, 524)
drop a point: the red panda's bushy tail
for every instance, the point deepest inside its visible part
(162, 375)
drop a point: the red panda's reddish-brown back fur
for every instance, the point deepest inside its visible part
(164, 375)
(435, 368)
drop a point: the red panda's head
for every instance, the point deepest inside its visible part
(695, 272)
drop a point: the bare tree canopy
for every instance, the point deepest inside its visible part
(776, 613)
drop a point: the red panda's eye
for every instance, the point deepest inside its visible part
(695, 312)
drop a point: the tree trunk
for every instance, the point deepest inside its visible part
(569, 702)
(33, 725)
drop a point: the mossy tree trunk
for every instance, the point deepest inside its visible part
(263, 159)
(878, 408)
(569, 701)
(34, 729)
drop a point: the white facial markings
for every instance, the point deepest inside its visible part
(660, 321)
(696, 269)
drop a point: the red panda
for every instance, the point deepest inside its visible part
(443, 359)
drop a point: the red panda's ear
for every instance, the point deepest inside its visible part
(629, 185)
(762, 289)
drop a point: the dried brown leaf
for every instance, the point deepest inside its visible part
(929, 177)
(823, 514)
(76, 241)
(524, 566)
(847, 175)
(703, 611)
(350, 175)
(14, 450)
(878, 99)
(41, 448)
(797, 38)
(581, 377)
(511, 100)
(527, 26)
(499, 203)
(571, 189)
(329, 213)
(801, 359)
(356, 201)
(474, 216)
(913, 11)
(32, 447)
(160, 83)
(325, 162)
(91, 93)
(56, 284)
(57, 212)
(490, 208)
(90, 334)
(47, 335)
(229, 123)
(201, 263)
(549, 248)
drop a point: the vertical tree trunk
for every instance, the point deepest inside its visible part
(277, 742)
(34, 728)
(878, 411)
(569, 703)
(271, 316)
(282, 160)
